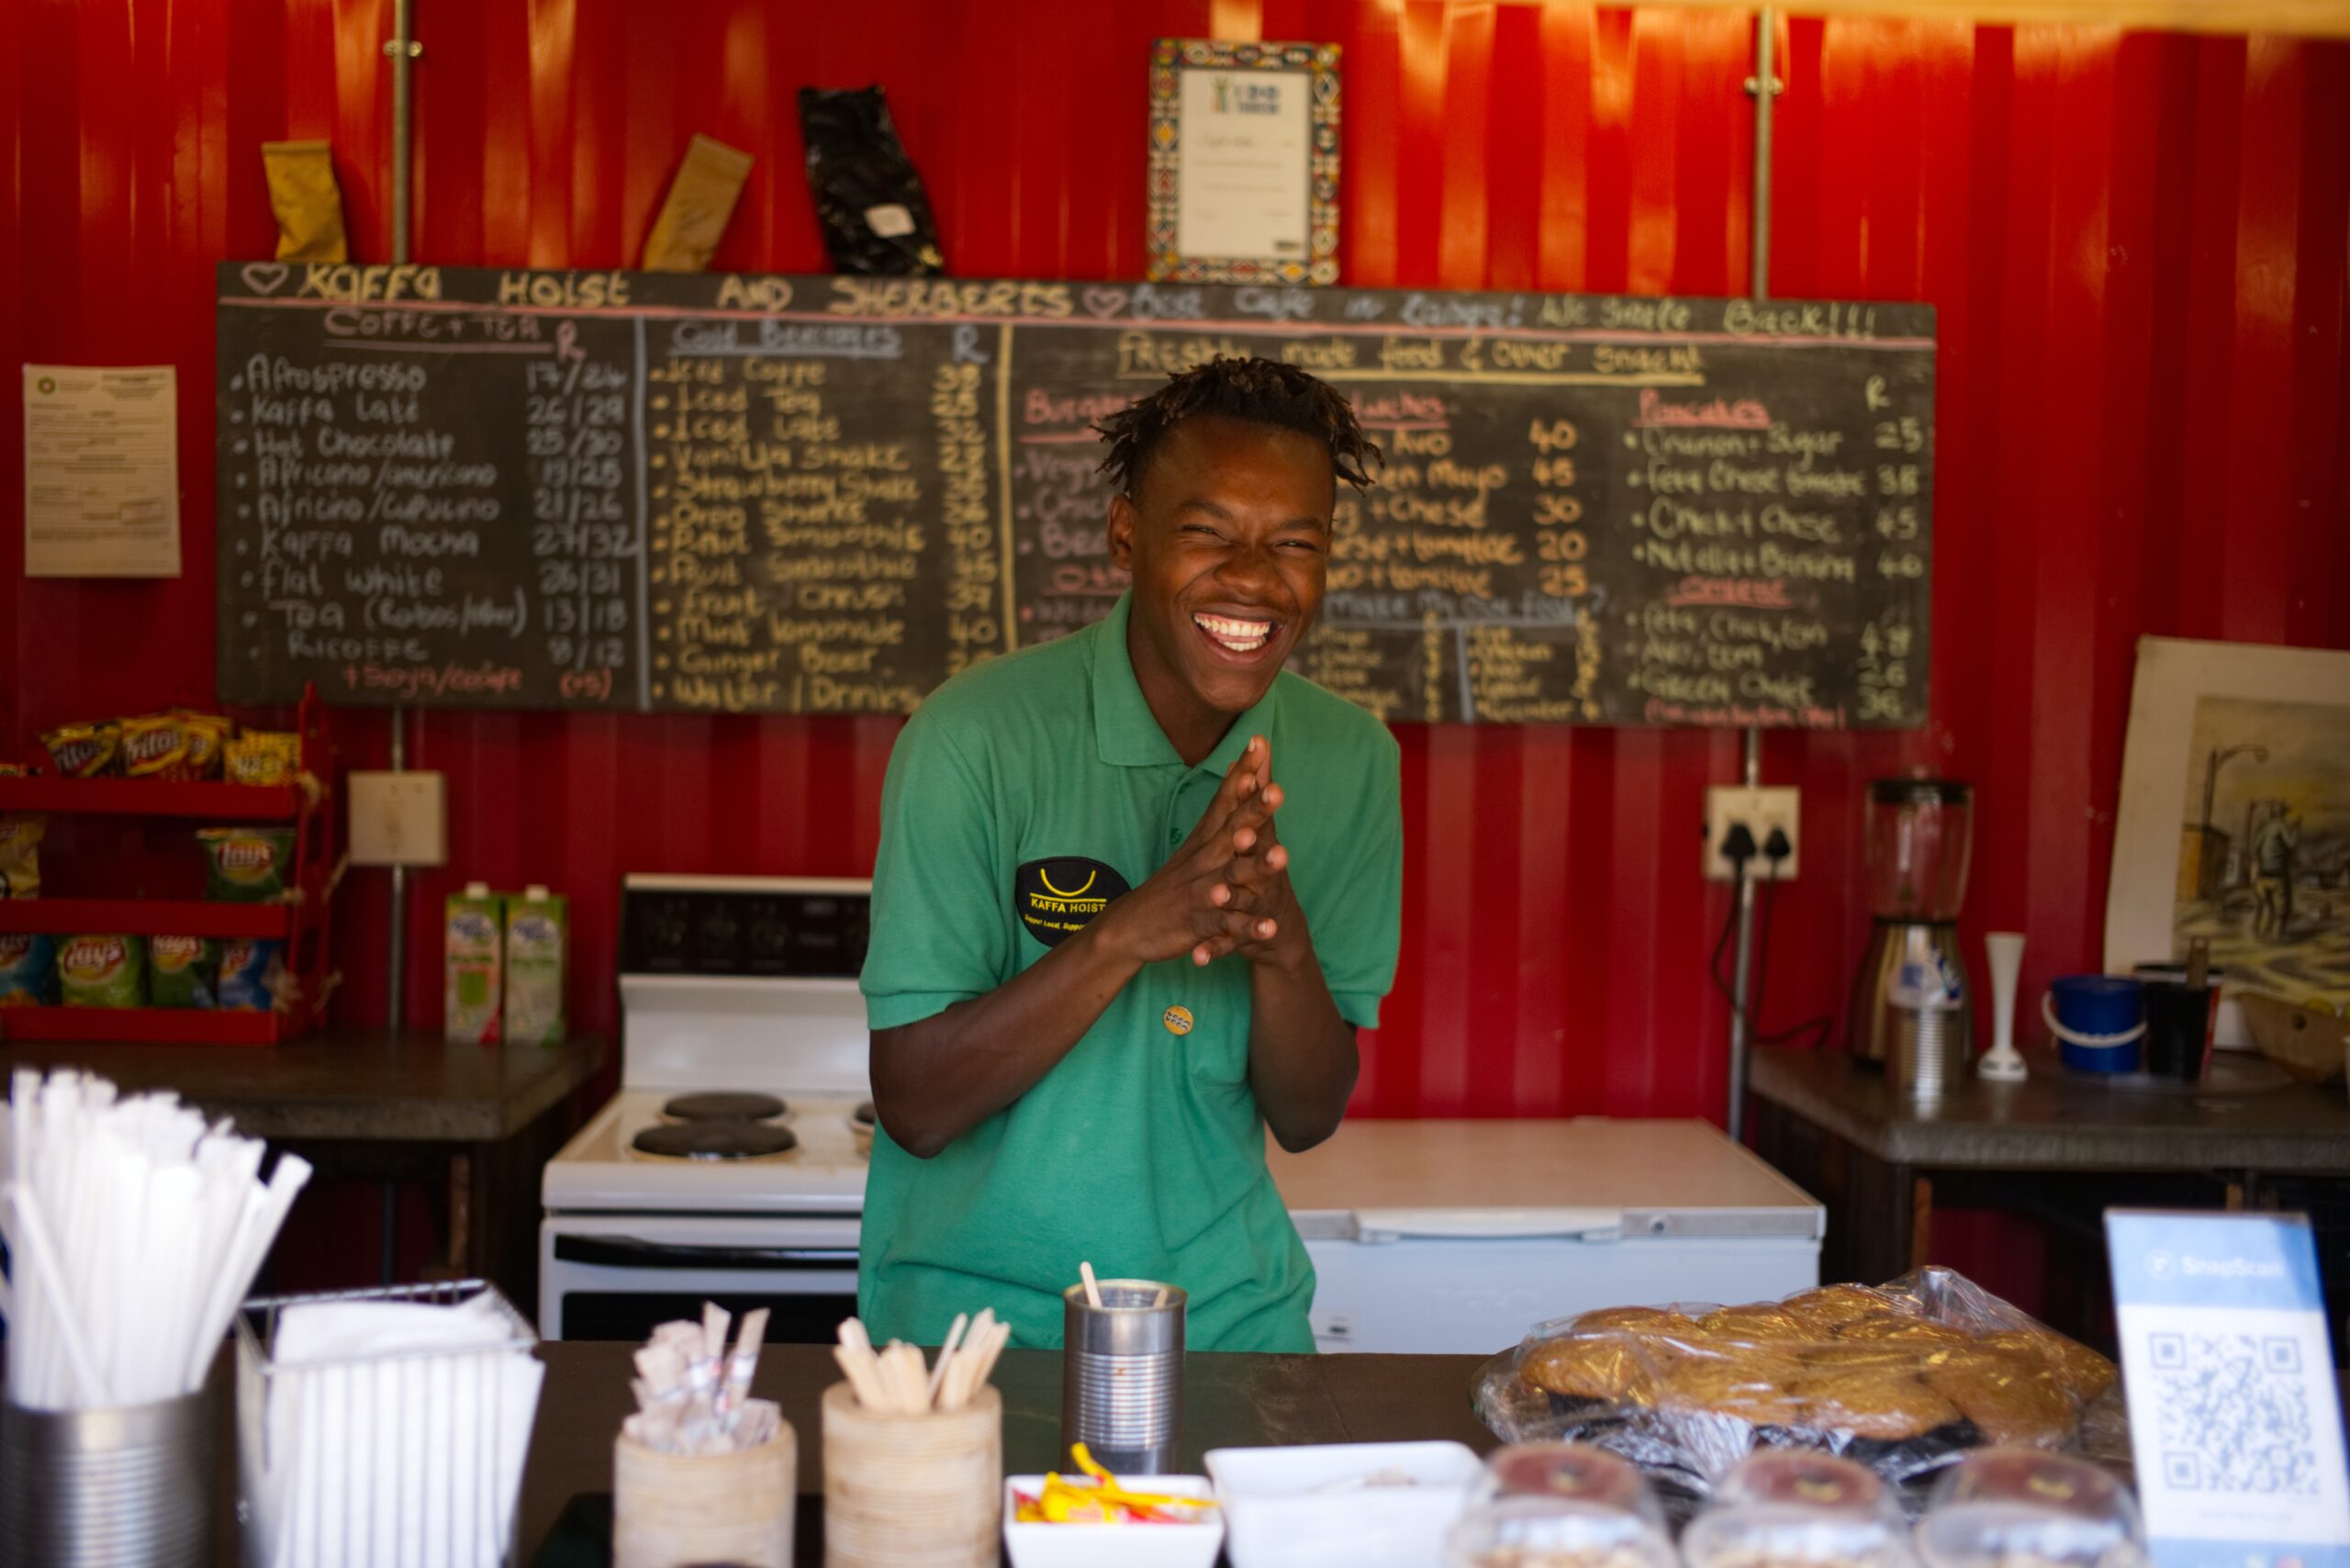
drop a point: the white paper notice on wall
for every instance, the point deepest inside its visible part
(102, 493)
(2235, 1423)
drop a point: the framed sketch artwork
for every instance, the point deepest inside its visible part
(1244, 162)
(2235, 822)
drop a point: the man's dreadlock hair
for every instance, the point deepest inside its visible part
(1262, 392)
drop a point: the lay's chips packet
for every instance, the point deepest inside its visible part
(102, 971)
(246, 865)
(182, 971)
(27, 971)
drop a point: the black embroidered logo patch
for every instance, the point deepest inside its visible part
(1059, 897)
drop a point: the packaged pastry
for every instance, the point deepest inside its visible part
(1560, 1506)
(182, 971)
(246, 865)
(2022, 1508)
(102, 971)
(27, 971)
(1785, 1509)
(84, 751)
(261, 756)
(1904, 1378)
(20, 839)
(253, 975)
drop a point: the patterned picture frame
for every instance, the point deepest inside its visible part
(1319, 62)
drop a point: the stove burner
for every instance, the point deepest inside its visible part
(863, 1115)
(723, 1107)
(715, 1140)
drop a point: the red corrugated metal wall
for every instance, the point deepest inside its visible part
(2136, 243)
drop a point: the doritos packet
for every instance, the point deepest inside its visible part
(84, 751)
(253, 974)
(102, 971)
(261, 756)
(27, 971)
(246, 865)
(182, 971)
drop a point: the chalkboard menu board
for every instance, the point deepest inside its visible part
(763, 494)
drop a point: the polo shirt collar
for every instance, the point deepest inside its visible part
(1125, 731)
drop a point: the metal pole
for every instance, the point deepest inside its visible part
(401, 49)
(1765, 87)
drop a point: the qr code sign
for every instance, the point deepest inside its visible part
(2233, 1413)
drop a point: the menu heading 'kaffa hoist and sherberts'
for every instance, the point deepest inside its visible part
(767, 493)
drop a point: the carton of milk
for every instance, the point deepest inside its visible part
(538, 931)
(473, 929)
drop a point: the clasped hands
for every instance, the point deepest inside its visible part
(1226, 888)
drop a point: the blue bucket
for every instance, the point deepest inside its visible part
(2098, 1021)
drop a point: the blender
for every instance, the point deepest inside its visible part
(1911, 1009)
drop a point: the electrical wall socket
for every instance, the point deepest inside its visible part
(1761, 810)
(398, 819)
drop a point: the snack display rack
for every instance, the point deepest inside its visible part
(302, 921)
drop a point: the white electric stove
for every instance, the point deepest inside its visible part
(731, 1165)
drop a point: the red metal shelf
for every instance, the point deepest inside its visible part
(145, 917)
(147, 1025)
(153, 797)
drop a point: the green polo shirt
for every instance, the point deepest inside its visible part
(1021, 793)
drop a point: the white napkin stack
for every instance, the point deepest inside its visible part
(392, 1435)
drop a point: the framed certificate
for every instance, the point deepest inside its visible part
(1244, 161)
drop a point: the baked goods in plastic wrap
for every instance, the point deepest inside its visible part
(1904, 1379)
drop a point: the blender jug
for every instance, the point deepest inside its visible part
(1911, 1007)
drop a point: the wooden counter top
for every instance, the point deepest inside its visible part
(1229, 1401)
(355, 1087)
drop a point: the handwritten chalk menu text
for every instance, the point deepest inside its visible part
(762, 494)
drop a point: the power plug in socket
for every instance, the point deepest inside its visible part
(1761, 810)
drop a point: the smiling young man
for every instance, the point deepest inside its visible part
(1109, 950)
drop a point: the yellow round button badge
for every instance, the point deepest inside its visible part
(1178, 1019)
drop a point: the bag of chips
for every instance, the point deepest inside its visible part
(103, 971)
(246, 865)
(182, 971)
(20, 856)
(261, 756)
(253, 974)
(27, 971)
(84, 751)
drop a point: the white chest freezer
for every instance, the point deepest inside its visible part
(1435, 1236)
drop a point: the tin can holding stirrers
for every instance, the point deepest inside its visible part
(1122, 1370)
(913, 1455)
(703, 1473)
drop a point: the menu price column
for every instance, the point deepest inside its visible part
(974, 565)
(584, 546)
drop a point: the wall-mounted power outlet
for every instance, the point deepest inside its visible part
(1762, 810)
(398, 819)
